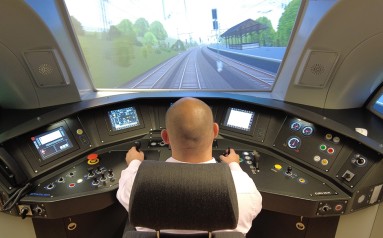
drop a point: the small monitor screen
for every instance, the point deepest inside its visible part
(239, 119)
(52, 143)
(378, 106)
(123, 118)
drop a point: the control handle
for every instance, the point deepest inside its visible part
(137, 144)
(257, 156)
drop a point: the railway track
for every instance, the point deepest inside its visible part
(187, 71)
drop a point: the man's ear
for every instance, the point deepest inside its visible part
(165, 136)
(215, 129)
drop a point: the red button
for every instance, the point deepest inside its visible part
(92, 156)
(330, 150)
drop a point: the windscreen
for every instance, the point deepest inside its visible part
(183, 44)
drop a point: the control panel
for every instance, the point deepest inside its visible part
(309, 143)
(72, 166)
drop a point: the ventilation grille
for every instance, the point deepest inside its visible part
(46, 67)
(317, 67)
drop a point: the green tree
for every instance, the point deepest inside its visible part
(126, 29)
(124, 44)
(286, 22)
(266, 36)
(123, 52)
(150, 39)
(77, 26)
(158, 30)
(114, 32)
(141, 26)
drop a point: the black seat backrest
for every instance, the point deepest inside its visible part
(183, 196)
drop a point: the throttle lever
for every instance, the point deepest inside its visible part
(226, 153)
(256, 159)
(137, 144)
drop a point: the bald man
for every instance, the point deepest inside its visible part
(190, 131)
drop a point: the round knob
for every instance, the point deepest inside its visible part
(23, 212)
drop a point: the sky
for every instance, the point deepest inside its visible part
(183, 19)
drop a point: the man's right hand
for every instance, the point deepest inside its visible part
(133, 154)
(230, 157)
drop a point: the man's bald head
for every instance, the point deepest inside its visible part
(189, 123)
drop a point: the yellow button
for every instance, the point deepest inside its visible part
(302, 180)
(79, 131)
(278, 166)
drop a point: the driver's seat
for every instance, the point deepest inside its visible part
(178, 196)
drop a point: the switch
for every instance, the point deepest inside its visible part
(289, 170)
(348, 176)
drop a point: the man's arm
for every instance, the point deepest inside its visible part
(249, 198)
(133, 159)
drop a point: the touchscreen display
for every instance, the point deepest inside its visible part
(378, 106)
(239, 119)
(52, 143)
(123, 118)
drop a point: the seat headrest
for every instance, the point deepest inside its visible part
(183, 196)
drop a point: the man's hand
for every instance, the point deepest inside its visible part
(230, 157)
(133, 154)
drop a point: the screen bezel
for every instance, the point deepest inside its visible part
(109, 123)
(38, 161)
(373, 101)
(225, 118)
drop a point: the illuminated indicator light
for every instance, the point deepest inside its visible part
(317, 158)
(80, 180)
(323, 147)
(324, 162)
(79, 131)
(72, 185)
(330, 150)
(328, 136)
(278, 166)
(338, 207)
(245, 153)
(302, 180)
(336, 139)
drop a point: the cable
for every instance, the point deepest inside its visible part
(14, 198)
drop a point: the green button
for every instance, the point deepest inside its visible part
(323, 147)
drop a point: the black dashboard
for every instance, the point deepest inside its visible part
(309, 165)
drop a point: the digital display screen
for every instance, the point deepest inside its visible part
(239, 119)
(123, 118)
(378, 106)
(52, 143)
